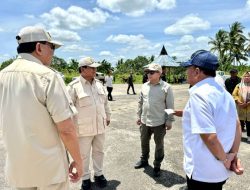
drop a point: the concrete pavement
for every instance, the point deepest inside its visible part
(122, 150)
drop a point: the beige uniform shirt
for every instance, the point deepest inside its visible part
(92, 106)
(32, 98)
(153, 99)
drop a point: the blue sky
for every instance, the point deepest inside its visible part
(115, 29)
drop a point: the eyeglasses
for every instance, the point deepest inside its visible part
(52, 46)
(151, 72)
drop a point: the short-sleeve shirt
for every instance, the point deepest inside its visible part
(109, 81)
(210, 109)
(33, 98)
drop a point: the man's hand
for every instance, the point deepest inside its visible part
(229, 158)
(236, 166)
(75, 175)
(168, 127)
(138, 122)
(108, 122)
(178, 113)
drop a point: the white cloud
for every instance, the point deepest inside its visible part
(132, 40)
(64, 35)
(187, 25)
(137, 8)
(186, 39)
(1, 29)
(75, 48)
(183, 48)
(203, 39)
(248, 4)
(29, 16)
(74, 18)
(105, 53)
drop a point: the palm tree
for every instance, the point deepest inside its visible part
(218, 44)
(236, 43)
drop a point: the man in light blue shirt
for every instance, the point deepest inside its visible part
(211, 130)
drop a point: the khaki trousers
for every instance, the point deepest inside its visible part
(58, 186)
(96, 143)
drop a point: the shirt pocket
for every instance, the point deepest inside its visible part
(85, 101)
(85, 126)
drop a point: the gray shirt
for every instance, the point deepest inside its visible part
(153, 99)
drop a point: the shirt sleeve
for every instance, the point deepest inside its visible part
(169, 105)
(140, 104)
(201, 111)
(58, 101)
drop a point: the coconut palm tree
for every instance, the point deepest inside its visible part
(218, 44)
(236, 43)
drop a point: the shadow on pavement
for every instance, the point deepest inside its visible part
(112, 185)
(167, 178)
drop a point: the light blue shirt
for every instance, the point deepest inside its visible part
(210, 109)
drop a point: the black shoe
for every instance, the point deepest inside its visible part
(141, 164)
(157, 172)
(101, 181)
(86, 184)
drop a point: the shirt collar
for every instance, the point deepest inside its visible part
(29, 57)
(84, 81)
(159, 83)
(200, 83)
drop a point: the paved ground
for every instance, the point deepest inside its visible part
(122, 150)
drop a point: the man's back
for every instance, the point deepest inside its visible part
(30, 135)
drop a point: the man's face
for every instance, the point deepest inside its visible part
(47, 52)
(88, 72)
(153, 75)
(233, 74)
(191, 75)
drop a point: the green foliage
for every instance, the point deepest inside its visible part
(231, 46)
(105, 67)
(59, 64)
(6, 63)
(133, 65)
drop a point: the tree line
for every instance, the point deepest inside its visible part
(232, 48)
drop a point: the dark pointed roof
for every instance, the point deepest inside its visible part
(163, 51)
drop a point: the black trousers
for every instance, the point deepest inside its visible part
(159, 133)
(199, 185)
(110, 89)
(132, 86)
(245, 125)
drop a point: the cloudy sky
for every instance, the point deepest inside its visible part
(115, 29)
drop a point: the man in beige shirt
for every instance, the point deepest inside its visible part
(156, 96)
(90, 98)
(35, 114)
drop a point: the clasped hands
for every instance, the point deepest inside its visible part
(233, 163)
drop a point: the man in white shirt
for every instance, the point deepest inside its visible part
(211, 130)
(109, 84)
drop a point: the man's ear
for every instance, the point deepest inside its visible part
(38, 48)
